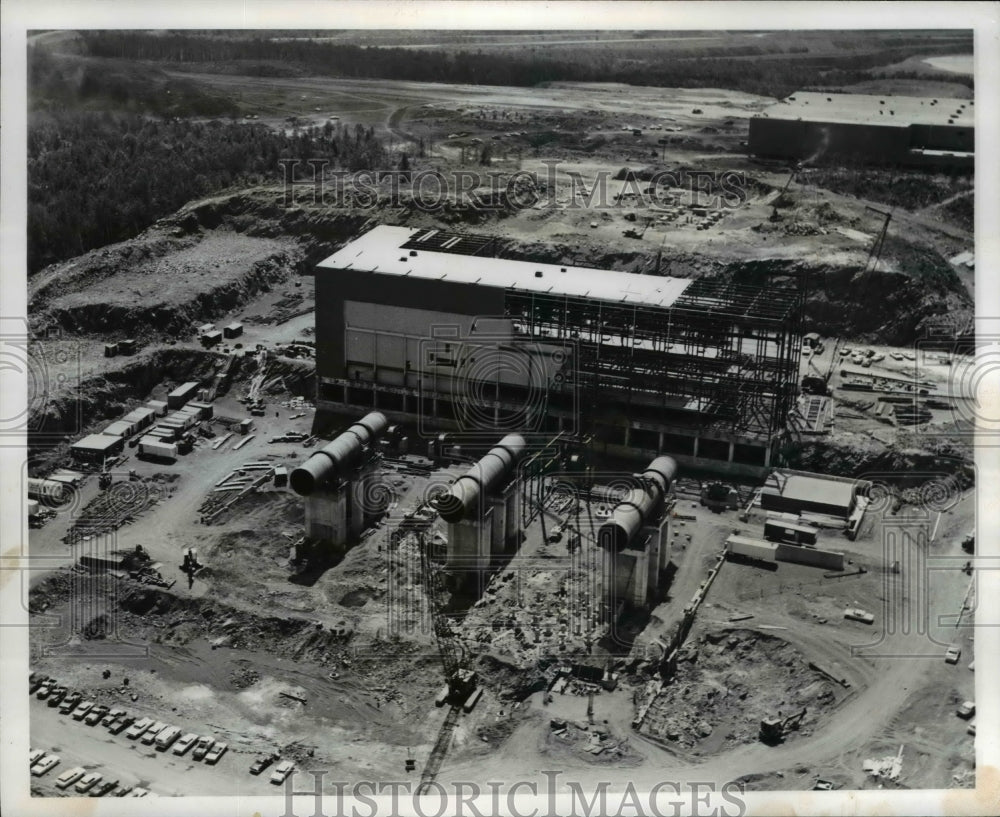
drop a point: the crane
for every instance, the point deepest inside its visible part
(774, 729)
(460, 692)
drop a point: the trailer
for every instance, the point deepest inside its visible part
(165, 738)
(179, 396)
(747, 549)
(204, 410)
(775, 530)
(233, 330)
(157, 449)
(47, 490)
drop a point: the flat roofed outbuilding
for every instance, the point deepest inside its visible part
(97, 446)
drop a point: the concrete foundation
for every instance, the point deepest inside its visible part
(473, 543)
(633, 574)
(338, 515)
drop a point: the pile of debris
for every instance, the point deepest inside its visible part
(885, 768)
(584, 738)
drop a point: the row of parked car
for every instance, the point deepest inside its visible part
(151, 732)
(84, 782)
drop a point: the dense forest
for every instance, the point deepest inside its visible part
(770, 70)
(100, 176)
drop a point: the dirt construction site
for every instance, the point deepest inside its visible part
(188, 590)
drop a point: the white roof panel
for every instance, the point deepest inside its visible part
(379, 251)
(874, 109)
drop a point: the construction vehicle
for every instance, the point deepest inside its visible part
(631, 232)
(774, 729)
(819, 383)
(460, 692)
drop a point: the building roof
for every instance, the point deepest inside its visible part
(380, 251)
(184, 388)
(97, 442)
(874, 109)
(817, 489)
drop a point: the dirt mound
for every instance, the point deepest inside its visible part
(123, 291)
(728, 681)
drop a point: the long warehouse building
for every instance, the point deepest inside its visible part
(867, 129)
(429, 328)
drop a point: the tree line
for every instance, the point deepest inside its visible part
(97, 178)
(753, 69)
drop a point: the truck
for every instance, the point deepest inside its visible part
(153, 448)
(166, 738)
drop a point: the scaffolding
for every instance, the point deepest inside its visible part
(724, 357)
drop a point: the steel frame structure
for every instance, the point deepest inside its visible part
(724, 357)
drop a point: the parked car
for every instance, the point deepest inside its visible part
(45, 690)
(120, 725)
(45, 765)
(35, 755)
(36, 682)
(824, 785)
(93, 717)
(122, 791)
(56, 697)
(112, 716)
(69, 777)
(952, 654)
(971, 729)
(149, 737)
(857, 614)
(138, 728)
(104, 788)
(262, 763)
(281, 771)
(202, 746)
(966, 710)
(184, 743)
(70, 702)
(138, 791)
(217, 751)
(80, 712)
(88, 781)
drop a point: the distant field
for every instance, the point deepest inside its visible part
(959, 64)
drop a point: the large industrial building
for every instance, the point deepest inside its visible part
(431, 329)
(867, 129)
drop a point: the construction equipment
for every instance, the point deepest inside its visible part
(460, 692)
(819, 383)
(876, 250)
(633, 233)
(774, 729)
